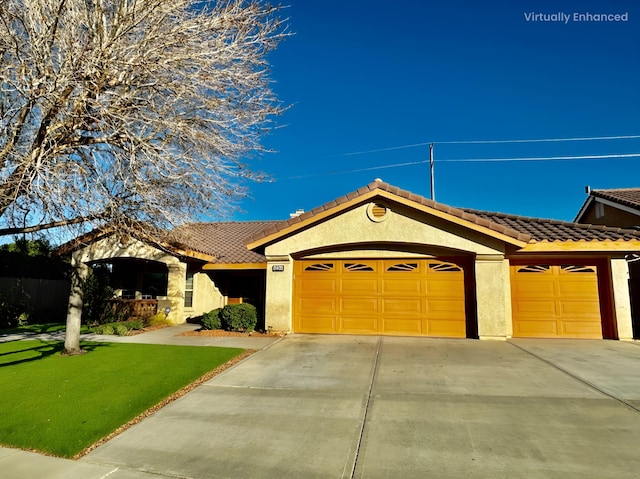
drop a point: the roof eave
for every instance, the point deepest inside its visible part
(517, 238)
(581, 246)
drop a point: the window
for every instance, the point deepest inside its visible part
(534, 268)
(320, 267)
(403, 267)
(577, 268)
(188, 291)
(444, 267)
(357, 267)
(599, 210)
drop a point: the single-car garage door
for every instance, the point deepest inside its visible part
(556, 301)
(389, 297)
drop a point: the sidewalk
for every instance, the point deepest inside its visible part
(169, 336)
(18, 464)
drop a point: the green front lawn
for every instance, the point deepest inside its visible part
(63, 404)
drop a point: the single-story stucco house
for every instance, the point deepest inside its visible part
(385, 261)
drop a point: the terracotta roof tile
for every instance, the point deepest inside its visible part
(541, 229)
(624, 196)
(226, 241)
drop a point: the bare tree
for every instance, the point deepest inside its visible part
(130, 112)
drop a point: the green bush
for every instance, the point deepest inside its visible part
(239, 317)
(121, 329)
(106, 329)
(134, 324)
(211, 320)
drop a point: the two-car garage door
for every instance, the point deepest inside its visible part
(415, 297)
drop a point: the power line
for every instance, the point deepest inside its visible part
(487, 142)
(471, 160)
(356, 171)
(545, 158)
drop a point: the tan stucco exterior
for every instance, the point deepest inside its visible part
(279, 294)
(621, 298)
(206, 296)
(493, 295)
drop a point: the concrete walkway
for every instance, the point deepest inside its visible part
(160, 336)
(366, 407)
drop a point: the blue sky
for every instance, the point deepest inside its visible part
(368, 75)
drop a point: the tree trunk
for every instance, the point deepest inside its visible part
(74, 310)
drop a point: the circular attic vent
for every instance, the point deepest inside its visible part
(377, 212)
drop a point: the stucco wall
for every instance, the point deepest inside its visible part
(621, 299)
(401, 226)
(279, 294)
(206, 296)
(493, 295)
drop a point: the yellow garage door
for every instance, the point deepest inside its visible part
(388, 297)
(556, 301)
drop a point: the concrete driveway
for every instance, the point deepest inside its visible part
(368, 407)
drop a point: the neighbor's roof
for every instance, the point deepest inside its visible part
(624, 196)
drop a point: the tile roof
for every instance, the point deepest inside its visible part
(380, 185)
(541, 229)
(226, 240)
(522, 228)
(624, 196)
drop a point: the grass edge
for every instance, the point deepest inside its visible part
(166, 401)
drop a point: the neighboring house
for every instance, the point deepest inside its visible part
(617, 207)
(382, 260)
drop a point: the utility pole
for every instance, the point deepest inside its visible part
(431, 173)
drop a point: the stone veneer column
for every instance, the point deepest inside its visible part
(279, 294)
(621, 298)
(493, 295)
(176, 282)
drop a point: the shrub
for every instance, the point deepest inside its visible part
(133, 324)
(239, 317)
(157, 319)
(211, 320)
(106, 329)
(121, 329)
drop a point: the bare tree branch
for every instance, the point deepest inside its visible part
(142, 112)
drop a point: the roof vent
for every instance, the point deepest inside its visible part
(587, 189)
(377, 211)
(296, 214)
